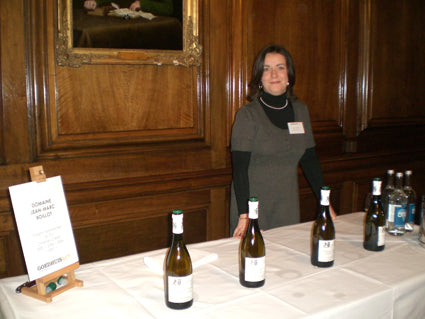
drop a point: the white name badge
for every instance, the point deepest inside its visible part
(296, 128)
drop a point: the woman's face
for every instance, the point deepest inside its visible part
(275, 74)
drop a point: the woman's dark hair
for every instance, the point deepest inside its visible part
(255, 89)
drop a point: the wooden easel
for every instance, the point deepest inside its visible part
(39, 290)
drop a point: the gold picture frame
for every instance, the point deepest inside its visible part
(69, 55)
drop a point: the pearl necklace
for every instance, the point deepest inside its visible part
(274, 107)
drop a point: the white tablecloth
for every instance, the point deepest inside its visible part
(361, 284)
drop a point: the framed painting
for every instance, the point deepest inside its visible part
(128, 32)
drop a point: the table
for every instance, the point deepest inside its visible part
(361, 284)
(160, 33)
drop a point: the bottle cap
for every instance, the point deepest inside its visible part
(177, 218)
(376, 186)
(50, 287)
(253, 208)
(324, 195)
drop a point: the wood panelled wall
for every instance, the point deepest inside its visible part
(360, 67)
(132, 142)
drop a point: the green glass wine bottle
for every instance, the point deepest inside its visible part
(323, 234)
(252, 252)
(374, 228)
(178, 269)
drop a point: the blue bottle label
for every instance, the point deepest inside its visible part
(411, 213)
(399, 216)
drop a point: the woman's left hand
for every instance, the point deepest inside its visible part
(241, 226)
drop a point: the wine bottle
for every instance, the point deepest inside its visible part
(323, 235)
(252, 253)
(389, 188)
(374, 229)
(397, 208)
(178, 268)
(411, 201)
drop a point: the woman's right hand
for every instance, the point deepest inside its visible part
(90, 4)
(242, 226)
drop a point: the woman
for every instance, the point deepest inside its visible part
(270, 137)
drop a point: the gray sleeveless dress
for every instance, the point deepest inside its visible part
(273, 166)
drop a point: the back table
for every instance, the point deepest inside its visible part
(361, 284)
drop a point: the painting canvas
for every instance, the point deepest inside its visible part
(128, 24)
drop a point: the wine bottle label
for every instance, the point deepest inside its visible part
(180, 289)
(255, 269)
(324, 197)
(397, 214)
(326, 250)
(178, 224)
(411, 213)
(381, 236)
(253, 210)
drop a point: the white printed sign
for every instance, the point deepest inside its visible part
(44, 226)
